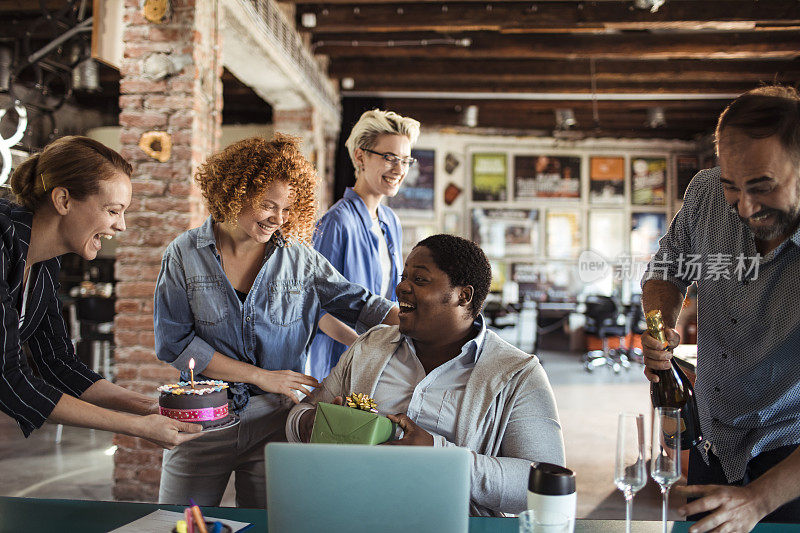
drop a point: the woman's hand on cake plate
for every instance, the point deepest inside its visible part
(285, 382)
(413, 435)
(167, 432)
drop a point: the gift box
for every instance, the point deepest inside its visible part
(338, 424)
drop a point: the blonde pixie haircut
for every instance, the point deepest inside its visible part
(374, 123)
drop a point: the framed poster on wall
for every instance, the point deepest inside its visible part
(489, 177)
(413, 233)
(529, 280)
(505, 232)
(646, 230)
(544, 176)
(607, 179)
(649, 180)
(607, 233)
(498, 275)
(415, 197)
(563, 239)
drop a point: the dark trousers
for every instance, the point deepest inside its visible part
(701, 473)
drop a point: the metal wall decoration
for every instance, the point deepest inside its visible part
(6, 144)
(156, 144)
(156, 11)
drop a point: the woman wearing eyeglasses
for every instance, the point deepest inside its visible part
(360, 237)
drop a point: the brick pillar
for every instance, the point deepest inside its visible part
(170, 82)
(306, 124)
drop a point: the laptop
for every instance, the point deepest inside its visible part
(334, 488)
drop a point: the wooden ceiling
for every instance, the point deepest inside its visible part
(610, 61)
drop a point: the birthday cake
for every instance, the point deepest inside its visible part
(206, 403)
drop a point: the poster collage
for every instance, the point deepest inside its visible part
(529, 214)
(535, 234)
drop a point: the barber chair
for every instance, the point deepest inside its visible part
(636, 326)
(603, 321)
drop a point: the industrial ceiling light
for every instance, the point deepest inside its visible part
(652, 5)
(470, 118)
(308, 20)
(656, 117)
(5, 68)
(565, 119)
(85, 76)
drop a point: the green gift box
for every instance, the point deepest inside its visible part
(337, 424)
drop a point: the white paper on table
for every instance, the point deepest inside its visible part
(162, 521)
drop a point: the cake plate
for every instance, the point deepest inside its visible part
(234, 420)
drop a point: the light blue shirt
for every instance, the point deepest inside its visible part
(197, 311)
(344, 236)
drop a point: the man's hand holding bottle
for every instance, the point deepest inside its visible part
(656, 356)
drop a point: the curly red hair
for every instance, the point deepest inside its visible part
(239, 174)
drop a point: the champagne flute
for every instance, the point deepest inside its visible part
(629, 470)
(665, 456)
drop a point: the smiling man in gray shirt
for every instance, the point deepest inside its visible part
(448, 381)
(737, 237)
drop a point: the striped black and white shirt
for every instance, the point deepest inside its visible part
(748, 317)
(26, 397)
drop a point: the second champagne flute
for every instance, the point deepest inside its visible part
(665, 455)
(629, 468)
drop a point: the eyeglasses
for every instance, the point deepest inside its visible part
(392, 159)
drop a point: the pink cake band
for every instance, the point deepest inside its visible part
(196, 415)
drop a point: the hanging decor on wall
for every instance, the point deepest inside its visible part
(156, 11)
(156, 144)
(489, 177)
(416, 198)
(545, 176)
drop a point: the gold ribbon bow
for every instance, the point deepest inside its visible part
(361, 401)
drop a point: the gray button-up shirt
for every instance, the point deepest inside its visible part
(748, 338)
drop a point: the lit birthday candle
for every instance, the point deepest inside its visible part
(191, 370)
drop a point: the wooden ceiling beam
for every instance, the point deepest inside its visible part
(584, 116)
(27, 6)
(484, 85)
(575, 67)
(566, 70)
(482, 45)
(545, 16)
(515, 106)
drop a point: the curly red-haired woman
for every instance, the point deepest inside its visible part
(240, 296)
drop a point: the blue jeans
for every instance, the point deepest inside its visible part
(701, 473)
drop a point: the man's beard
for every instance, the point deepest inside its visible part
(785, 221)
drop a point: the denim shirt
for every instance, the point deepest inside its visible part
(197, 311)
(344, 236)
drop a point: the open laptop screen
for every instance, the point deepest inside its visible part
(350, 488)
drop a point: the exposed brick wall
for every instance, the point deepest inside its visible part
(187, 104)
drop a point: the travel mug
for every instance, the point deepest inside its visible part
(551, 489)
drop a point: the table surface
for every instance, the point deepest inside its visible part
(59, 516)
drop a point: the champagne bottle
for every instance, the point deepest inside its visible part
(674, 389)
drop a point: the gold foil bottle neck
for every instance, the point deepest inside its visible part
(655, 325)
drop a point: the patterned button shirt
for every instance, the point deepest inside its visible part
(26, 397)
(748, 338)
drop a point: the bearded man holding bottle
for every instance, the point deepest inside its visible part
(744, 213)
